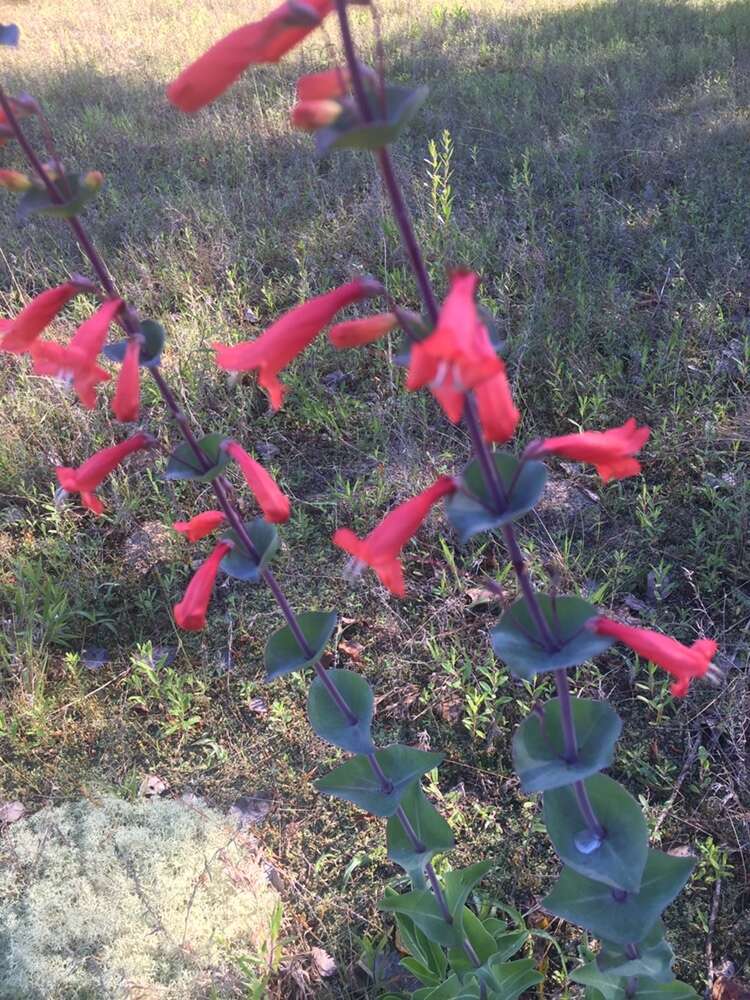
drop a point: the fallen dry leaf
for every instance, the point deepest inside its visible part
(11, 812)
(323, 963)
(258, 706)
(249, 809)
(353, 650)
(725, 988)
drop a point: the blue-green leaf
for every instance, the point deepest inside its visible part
(38, 199)
(356, 782)
(349, 132)
(472, 509)
(183, 464)
(508, 980)
(652, 958)
(618, 859)
(153, 344)
(283, 654)
(239, 563)
(517, 642)
(614, 915)
(538, 745)
(432, 830)
(329, 722)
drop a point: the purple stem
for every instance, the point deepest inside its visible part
(484, 457)
(220, 489)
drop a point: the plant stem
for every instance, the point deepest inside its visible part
(489, 472)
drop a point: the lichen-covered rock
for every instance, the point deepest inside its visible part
(112, 899)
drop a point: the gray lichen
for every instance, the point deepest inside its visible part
(128, 900)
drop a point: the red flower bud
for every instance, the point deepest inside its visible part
(611, 452)
(329, 83)
(272, 502)
(21, 332)
(264, 41)
(126, 402)
(356, 332)
(278, 345)
(683, 662)
(381, 548)
(15, 181)
(94, 470)
(311, 115)
(190, 613)
(200, 525)
(76, 363)
(458, 354)
(498, 414)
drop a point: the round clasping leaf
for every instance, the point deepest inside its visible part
(618, 859)
(349, 132)
(356, 782)
(239, 563)
(517, 643)
(327, 719)
(434, 834)
(538, 744)
(471, 509)
(37, 199)
(183, 464)
(627, 920)
(154, 336)
(282, 653)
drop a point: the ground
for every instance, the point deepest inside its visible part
(591, 160)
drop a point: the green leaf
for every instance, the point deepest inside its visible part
(150, 357)
(433, 832)
(508, 980)
(283, 655)
(429, 954)
(611, 988)
(421, 907)
(620, 857)
(648, 990)
(426, 976)
(480, 939)
(508, 944)
(355, 781)
(183, 464)
(517, 643)
(329, 722)
(348, 131)
(458, 884)
(239, 563)
(37, 200)
(654, 957)
(471, 509)
(538, 744)
(614, 916)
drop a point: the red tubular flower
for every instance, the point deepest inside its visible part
(87, 477)
(328, 84)
(190, 613)
(356, 332)
(126, 402)
(311, 115)
(611, 452)
(683, 662)
(458, 353)
(76, 363)
(200, 525)
(278, 345)
(22, 331)
(498, 414)
(272, 502)
(264, 41)
(381, 548)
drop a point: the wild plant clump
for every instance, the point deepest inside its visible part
(613, 884)
(117, 899)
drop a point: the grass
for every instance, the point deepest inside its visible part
(591, 161)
